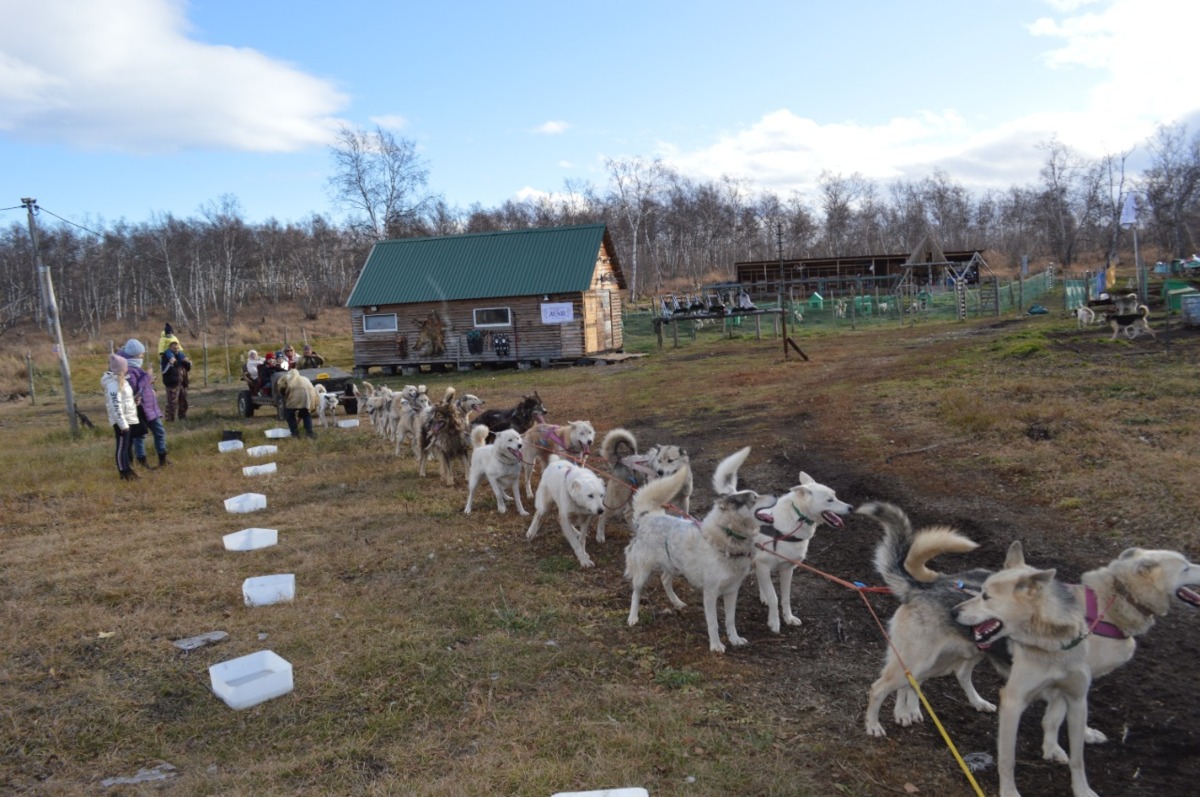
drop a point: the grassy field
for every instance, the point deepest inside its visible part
(443, 654)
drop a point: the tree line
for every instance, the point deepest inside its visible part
(666, 226)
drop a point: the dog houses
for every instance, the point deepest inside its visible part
(518, 297)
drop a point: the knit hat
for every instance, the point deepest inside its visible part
(167, 329)
(132, 348)
(117, 364)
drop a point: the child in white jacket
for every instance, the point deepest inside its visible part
(122, 412)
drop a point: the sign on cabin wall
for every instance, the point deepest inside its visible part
(558, 313)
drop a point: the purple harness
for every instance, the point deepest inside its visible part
(1095, 624)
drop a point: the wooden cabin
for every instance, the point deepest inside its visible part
(515, 298)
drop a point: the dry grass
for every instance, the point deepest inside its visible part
(438, 654)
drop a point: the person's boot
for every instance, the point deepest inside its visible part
(145, 463)
(130, 475)
(162, 459)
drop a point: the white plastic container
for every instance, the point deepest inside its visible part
(262, 451)
(275, 434)
(249, 680)
(636, 791)
(246, 502)
(229, 445)
(349, 423)
(251, 539)
(265, 590)
(259, 470)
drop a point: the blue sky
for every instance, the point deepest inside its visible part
(115, 109)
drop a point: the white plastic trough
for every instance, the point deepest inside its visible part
(349, 423)
(246, 502)
(249, 680)
(262, 451)
(229, 445)
(278, 433)
(265, 590)
(251, 539)
(635, 791)
(259, 470)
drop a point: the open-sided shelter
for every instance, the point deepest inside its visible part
(499, 298)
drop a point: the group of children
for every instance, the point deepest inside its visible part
(259, 370)
(133, 409)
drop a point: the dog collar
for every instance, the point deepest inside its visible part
(731, 533)
(802, 518)
(1120, 589)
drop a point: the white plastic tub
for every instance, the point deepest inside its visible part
(265, 590)
(262, 451)
(635, 791)
(275, 434)
(246, 502)
(249, 680)
(251, 539)
(259, 470)
(349, 423)
(229, 445)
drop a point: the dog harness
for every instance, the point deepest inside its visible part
(1096, 625)
(802, 520)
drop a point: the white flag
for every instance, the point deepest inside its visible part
(1129, 212)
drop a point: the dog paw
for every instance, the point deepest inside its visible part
(773, 625)
(984, 706)
(501, 509)
(716, 647)
(792, 619)
(1093, 736)
(1055, 754)
(876, 730)
(737, 640)
(909, 718)
(523, 512)
(586, 563)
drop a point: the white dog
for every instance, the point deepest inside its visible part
(327, 404)
(795, 518)
(1084, 316)
(715, 555)
(498, 462)
(578, 493)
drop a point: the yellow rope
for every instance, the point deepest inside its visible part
(862, 593)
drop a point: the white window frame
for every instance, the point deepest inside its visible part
(505, 325)
(369, 329)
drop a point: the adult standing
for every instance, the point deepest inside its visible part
(149, 413)
(122, 411)
(299, 399)
(174, 366)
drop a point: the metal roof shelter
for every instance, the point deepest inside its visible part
(483, 265)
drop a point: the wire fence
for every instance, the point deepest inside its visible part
(852, 310)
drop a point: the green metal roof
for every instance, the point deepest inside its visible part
(481, 266)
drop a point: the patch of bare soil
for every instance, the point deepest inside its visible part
(816, 677)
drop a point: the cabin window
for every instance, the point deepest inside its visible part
(383, 322)
(493, 317)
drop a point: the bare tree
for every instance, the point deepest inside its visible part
(1173, 187)
(381, 179)
(637, 183)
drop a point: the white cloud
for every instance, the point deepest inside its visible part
(1136, 86)
(392, 122)
(123, 75)
(552, 128)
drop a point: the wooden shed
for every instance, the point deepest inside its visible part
(521, 297)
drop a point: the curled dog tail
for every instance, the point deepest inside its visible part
(617, 443)
(902, 556)
(655, 493)
(725, 477)
(449, 396)
(479, 435)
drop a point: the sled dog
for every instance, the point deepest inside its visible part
(498, 462)
(714, 554)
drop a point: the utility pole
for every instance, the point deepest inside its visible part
(50, 305)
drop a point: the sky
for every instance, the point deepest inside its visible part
(134, 109)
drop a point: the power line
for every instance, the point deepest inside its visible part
(41, 209)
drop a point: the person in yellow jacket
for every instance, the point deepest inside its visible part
(165, 339)
(299, 399)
